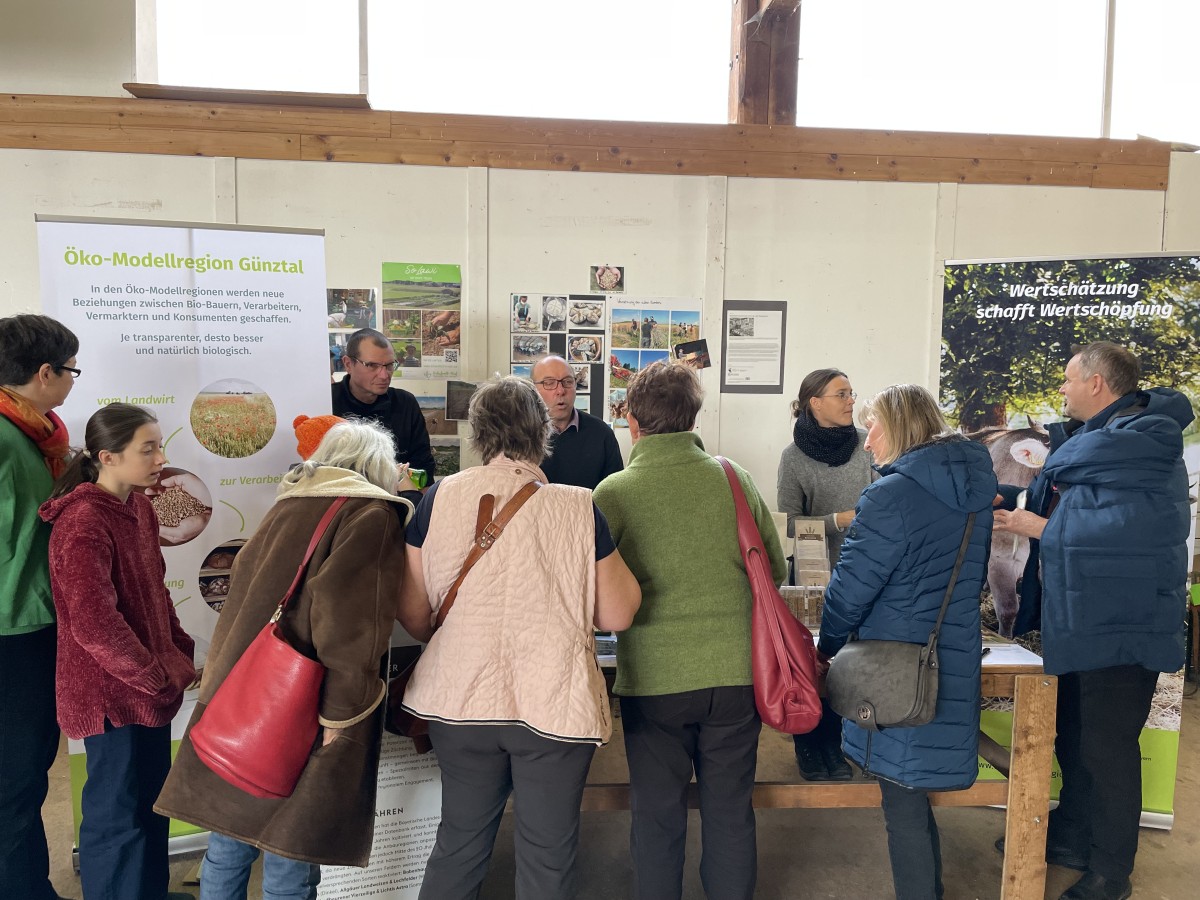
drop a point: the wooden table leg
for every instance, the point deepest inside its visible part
(1034, 703)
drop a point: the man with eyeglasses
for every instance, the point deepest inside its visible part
(367, 392)
(584, 449)
(37, 372)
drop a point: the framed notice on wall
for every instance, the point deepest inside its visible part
(752, 346)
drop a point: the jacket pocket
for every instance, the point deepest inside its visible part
(1110, 592)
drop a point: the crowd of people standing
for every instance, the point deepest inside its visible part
(505, 573)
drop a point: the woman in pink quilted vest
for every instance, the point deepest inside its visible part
(509, 682)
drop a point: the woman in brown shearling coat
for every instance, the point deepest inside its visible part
(342, 616)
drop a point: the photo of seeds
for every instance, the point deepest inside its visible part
(233, 418)
(182, 503)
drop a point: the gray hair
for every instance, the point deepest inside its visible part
(507, 416)
(1117, 366)
(361, 445)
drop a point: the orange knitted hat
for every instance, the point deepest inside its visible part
(309, 432)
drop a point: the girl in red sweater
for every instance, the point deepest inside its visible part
(123, 659)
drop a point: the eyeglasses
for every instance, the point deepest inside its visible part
(549, 384)
(374, 367)
(75, 373)
(842, 395)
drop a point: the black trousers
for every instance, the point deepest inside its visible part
(914, 846)
(1100, 718)
(481, 765)
(28, 745)
(713, 732)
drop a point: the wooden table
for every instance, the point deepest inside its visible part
(1026, 793)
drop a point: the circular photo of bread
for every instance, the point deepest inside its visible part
(216, 571)
(233, 418)
(183, 504)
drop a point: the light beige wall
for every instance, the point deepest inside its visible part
(859, 263)
(81, 47)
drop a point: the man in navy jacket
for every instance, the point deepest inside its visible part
(1108, 521)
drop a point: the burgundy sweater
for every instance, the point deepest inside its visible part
(122, 654)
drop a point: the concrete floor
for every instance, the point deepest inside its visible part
(814, 854)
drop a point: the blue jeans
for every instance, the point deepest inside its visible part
(914, 845)
(122, 840)
(226, 872)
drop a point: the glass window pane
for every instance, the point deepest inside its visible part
(1014, 67)
(1156, 78)
(264, 45)
(665, 60)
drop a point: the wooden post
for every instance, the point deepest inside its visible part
(1035, 700)
(764, 63)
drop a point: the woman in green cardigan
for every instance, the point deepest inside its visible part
(683, 667)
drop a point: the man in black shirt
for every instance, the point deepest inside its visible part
(367, 392)
(585, 450)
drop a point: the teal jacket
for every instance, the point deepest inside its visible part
(671, 514)
(25, 482)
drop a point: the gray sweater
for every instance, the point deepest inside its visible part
(810, 488)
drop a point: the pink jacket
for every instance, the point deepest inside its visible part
(122, 654)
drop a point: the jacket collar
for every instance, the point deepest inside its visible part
(517, 467)
(332, 481)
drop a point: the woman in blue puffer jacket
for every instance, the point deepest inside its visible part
(889, 584)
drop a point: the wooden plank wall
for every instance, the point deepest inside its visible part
(253, 131)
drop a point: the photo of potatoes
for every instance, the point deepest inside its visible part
(233, 418)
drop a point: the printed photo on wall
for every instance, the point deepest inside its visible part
(626, 327)
(445, 455)
(610, 279)
(585, 313)
(685, 325)
(585, 348)
(433, 409)
(408, 354)
(458, 399)
(351, 308)
(526, 313)
(529, 348)
(694, 354)
(421, 286)
(554, 314)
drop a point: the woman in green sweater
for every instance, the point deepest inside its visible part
(683, 667)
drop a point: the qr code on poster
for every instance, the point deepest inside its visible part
(451, 356)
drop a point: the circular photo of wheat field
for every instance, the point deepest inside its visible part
(233, 418)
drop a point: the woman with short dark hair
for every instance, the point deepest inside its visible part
(509, 683)
(683, 667)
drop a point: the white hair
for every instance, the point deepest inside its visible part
(361, 445)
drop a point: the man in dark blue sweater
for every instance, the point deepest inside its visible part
(585, 450)
(367, 392)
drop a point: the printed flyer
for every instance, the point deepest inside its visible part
(422, 317)
(217, 330)
(643, 331)
(1008, 327)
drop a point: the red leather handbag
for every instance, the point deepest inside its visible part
(783, 658)
(258, 730)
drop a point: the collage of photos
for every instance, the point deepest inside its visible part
(641, 335)
(422, 318)
(570, 326)
(348, 309)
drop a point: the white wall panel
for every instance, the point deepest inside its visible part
(1182, 232)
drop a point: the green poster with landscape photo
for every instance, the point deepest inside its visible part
(1008, 329)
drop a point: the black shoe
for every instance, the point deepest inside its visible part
(1058, 855)
(1096, 887)
(811, 761)
(835, 763)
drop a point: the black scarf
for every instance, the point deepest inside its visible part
(832, 446)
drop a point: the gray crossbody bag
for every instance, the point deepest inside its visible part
(891, 684)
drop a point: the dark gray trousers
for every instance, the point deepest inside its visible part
(715, 733)
(481, 765)
(914, 846)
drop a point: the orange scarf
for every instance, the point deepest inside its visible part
(46, 431)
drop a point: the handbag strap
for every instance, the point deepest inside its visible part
(748, 537)
(962, 554)
(322, 527)
(486, 533)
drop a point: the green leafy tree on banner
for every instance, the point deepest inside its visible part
(992, 368)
